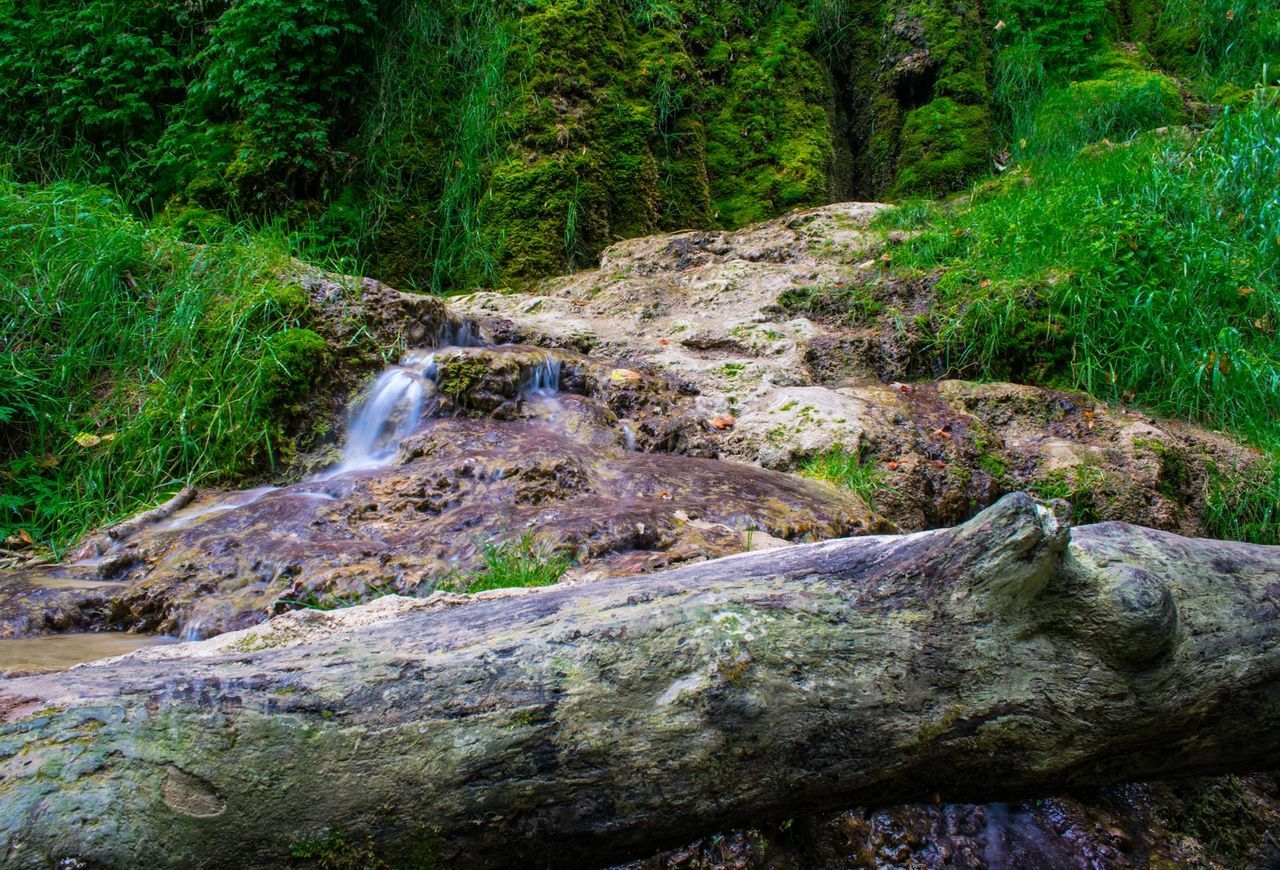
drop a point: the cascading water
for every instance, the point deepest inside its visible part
(459, 333)
(397, 402)
(392, 408)
(543, 379)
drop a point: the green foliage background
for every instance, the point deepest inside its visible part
(161, 160)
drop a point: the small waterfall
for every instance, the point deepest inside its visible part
(397, 401)
(391, 410)
(459, 333)
(543, 379)
(628, 435)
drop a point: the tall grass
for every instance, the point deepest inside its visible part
(132, 361)
(1147, 274)
(1232, 41)
(435, 128)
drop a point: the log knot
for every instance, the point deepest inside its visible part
(1145, 615)
(1006, 554)
(191, 795)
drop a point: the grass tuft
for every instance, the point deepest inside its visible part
(849, 471)
(518, 563)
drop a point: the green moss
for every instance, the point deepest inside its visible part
(1122, 101)
(768, 141)
(944, 144)
(459, 375)
(290, 360)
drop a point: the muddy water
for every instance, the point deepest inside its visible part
(56, 652)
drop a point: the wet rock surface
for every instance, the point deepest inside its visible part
(507, 460)
(1220, 822)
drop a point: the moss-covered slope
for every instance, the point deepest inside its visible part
(453, 143)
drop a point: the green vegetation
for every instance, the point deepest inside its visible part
(1123, 253)
(460, 143)
(132, 362)
(438, 145)
(1245, 506)
(849, 470)
(337, 851)
(1145, 273)
(1077, 486)
(520, 562)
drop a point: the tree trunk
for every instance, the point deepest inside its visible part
(578, 725)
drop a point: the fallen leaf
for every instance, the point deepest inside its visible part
(85, 439)
(624, 376)
(724, 421)
(1245, 291)
(892, 466)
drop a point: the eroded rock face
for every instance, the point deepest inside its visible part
(793, 331)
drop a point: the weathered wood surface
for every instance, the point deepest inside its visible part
(571, 726)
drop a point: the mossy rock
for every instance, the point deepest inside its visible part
(290, 360)
(944, 143)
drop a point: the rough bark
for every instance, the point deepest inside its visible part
(1003, 657)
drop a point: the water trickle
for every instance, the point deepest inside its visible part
(459, 333)
(390, 411)
(542, 379)
(234, 500)
(628, 435)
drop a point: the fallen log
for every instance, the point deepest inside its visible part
(1001, 658)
